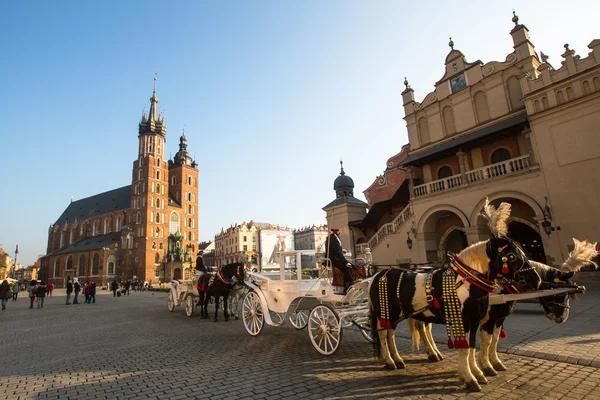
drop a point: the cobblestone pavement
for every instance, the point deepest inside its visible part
(133, 347)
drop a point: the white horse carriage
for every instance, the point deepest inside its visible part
(291, 294)
(184, 292)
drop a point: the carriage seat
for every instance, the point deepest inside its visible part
(338, 275)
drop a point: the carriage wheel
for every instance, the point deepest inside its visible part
(189, 306)
(170, 302)
(324, 330)
(368, 333)
(299, 319)
(252, 314)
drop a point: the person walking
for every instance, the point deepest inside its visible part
(15, 291)
(76, 289)
(40, 294)
(92, 292)
(32, 292)
(69, 291)
(114, 286)
(86, 291)
(49, 289)
(127, 287)
(4, 293)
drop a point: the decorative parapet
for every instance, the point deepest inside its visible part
(391, 227)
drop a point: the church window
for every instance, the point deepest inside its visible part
(150, 144)
(570, 95)
(190, 223)
(448, 116)
(560, 97)
(481, 107)
(514, 93)
(95, 230)
(190, 210)
(56, 268)
(157, 220)
(138, 218)
(140, 174)
(81, 271)
(82, 228)
(71, 235)
(107, 226)
(160, 246)
(596, 81)
(445, 172)
(111, 268)
(500, 155)
(174, 223)
(157, 233)
(95, 264)
(118, 224)
(189, 196)
(158, 162)
(158, 188)
(173, 180)
(544, 102)
(153, 245)
(157, 175)
(536, 105)
(156, 259)
(60, 241)
(423, 131)
(190, 180)
(69, 263)
(587, 89)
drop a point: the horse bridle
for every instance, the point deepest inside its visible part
(509, 258)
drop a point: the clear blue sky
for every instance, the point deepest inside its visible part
(271, 93)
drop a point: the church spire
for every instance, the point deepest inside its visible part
(153, 101)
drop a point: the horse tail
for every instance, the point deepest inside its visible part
(414, 333)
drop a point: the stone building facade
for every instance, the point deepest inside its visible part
(147, 230)
(519, 131)
(310, 238)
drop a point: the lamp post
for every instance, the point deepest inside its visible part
(14, 268)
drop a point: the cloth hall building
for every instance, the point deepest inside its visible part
(146, 231)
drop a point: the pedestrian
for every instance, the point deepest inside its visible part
(92, 292)
(76, 289)
(114, 286)
(32, 291)
(86, 291)
(69, 290)
(4, 293)
(127, 286)
(40, 294)
(49, 289)
(15, 291)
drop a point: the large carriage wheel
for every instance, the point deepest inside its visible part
(170, 302)
(252, 314)
(324, 330)
(189, 306)
(299, 319)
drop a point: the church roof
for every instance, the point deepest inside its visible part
(90, 243)
(113, 200)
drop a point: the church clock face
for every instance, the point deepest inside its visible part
(458, 82)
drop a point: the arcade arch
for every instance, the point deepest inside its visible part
(442, 229)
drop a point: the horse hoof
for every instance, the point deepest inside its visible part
(400, 364)
(482, 380)
(489, 372)
(473, 386)
(433, 358)
(499, 367)
(391, 367)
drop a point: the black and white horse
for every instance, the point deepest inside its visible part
(218, 285)
(237, 292)
(397, 294)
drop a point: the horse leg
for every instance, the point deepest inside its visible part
(385, 353)
(429, 333)
(393, 349)
(472, 358)
(496, 363)
(423, 333)
(485, 339)
(225, 307)
(205, 305)
(216, 307)
(464, 372)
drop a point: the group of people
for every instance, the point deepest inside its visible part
(88, 288)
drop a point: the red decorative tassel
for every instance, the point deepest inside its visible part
(436, 303)
(502, 333)
(385, 324)
(466, 343)
(450, 344)
(505, 270)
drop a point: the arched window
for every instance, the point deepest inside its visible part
(69, 263)
(189, 235)
(153, 245)
(570, 95)
(544, 102)
(514, 93)
(536, 105)
(596, 81)
(173, 180)
(56, 268)
(95, 230)
(190, 222)
(150, 144)
(156, 259)
(160, 246)
(190, 210)
(118, 224)
(140, 174)
(138, 218)
(424, 137)
(81, 268)
(190, 180)
(157, 177)
(448, 116)
(158, 162)
(158, 188)
(500, 155)
(587, 89)
(71, 233)
(111, 268)
(189, 197)
(157, 233)
(82, 229)
(481, 107)
(157, 220)
(560, 97)
(173, 223)
(95, 264)
(107, 226)
(445, 172)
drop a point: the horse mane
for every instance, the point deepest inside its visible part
(497, 218)
(582, 255)
(475, 256)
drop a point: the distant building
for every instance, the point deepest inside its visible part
(310, 238)
(238, 243)
(6, 263)
(147, 230)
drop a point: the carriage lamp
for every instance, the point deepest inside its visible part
(547, 225)
(409, 242)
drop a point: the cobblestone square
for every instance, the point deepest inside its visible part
(133, 347)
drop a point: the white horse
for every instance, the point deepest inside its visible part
(237, 292)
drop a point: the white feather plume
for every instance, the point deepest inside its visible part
(582, 255)
(496, 218)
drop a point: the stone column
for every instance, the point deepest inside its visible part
(462, 166)
(529, 146)
(477, 233)
(411, 183)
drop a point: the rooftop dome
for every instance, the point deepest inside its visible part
(343, 184)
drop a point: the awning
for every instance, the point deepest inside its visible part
(443, 149)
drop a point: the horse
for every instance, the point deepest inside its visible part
(237, 292)
(218, 285)
(456, 296)
(556, 308)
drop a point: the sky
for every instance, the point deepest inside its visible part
(272, 94)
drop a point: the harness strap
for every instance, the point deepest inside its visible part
(222, 278)
(472, 276)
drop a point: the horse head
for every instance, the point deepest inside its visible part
(508, 260)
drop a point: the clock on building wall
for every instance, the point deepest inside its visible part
(458, 82)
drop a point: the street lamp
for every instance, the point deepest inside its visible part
(12, 273)
(409, 241)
